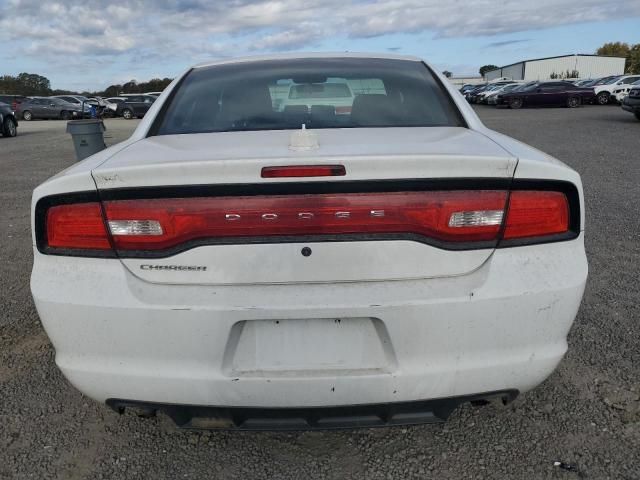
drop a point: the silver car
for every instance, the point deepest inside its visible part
(48, 107)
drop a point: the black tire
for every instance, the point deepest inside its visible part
(573, 102)
(603, 98)
(27, 116)
(64, 115)
(9, 127)
(637, 114)
(516, 103)
(127, 114)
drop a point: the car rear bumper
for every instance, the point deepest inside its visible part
(309, 418)
(631, 104)
(501, 328)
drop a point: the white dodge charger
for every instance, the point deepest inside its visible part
(242, 262)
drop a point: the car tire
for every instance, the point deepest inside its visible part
(27, 116)
(9, 127)
(127, 114)
(516, 103)
(64, 115)
(637, 114)
(573, 102)
(603, 98)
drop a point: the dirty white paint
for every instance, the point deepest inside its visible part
(257, 326)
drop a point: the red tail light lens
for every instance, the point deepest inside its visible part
(458, 216)
(536, 214)
(468, 218)
(77, 226)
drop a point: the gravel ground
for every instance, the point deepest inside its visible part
(587, 414)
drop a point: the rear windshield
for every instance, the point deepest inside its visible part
(319, 93)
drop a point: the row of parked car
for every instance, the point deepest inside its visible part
(68, 107)
(514, 94)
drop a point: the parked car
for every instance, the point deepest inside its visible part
(8, 121)
(558, 93)
(589, 83)
(79, 101)
(583, 82)
(480, 97)
(12, 100)
(467, 88)
(607, 79)
(47, 108)
(605, 91)
(622, 90)
(103, 107)
(472, 95)
(235, 270)
(134, 106)
(477, 95)
(492, 97)
(631, 103)
(113, 103)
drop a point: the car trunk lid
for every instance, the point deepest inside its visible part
(220, 168)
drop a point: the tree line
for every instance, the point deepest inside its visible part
(31, 84)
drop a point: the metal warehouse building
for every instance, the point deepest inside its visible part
(579, 65)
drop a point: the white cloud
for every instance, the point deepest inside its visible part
(158, 31)
(125, 25)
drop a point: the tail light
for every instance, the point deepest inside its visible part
(77, 226)
(459, 219)
(536, 214)
(426, 215)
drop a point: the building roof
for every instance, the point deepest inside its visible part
(557, 56)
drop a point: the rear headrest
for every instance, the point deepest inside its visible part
(245, 101)
(296, 109)
(375, 109)
(323, 115)
(295, 115)
(322, 111)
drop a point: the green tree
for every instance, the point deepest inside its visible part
(614, 49)
(633, 59)
(113, 90)
(621, 49)
(25, 84)
(34, 84)
(9, 85)
(487, 68)
(447, 73)
(130, 87)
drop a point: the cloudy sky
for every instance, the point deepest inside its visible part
(90, 44)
